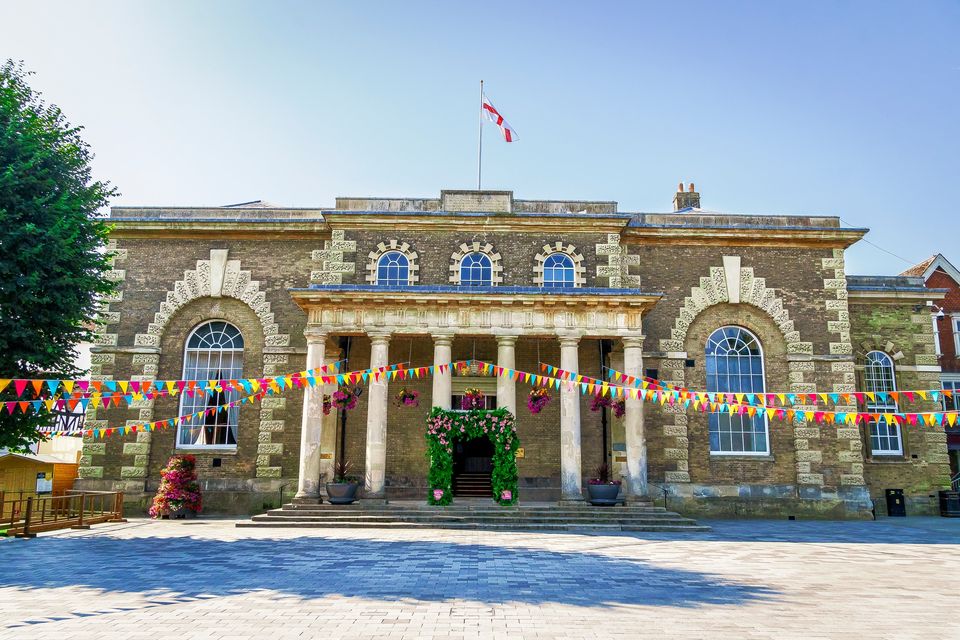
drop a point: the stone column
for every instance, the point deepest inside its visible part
(311, 424)
(636, 486)
(570, 477)
(377, 401)
(506, 385)
(442, 381)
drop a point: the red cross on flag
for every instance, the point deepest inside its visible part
(509, 134)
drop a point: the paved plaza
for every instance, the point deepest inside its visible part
(894, 578)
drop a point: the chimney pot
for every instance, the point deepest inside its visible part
(688, 199)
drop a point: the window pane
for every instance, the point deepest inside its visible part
(734, 364)
(214, 352)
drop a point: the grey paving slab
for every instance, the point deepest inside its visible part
(206, 579)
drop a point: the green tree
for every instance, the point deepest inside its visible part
(52, 258)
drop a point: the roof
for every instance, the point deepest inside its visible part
(919, 269)
(253, 204)
(34, 457)
(926, 268)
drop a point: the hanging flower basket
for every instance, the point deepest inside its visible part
(345, 399)
(538, 399)
(619, 408)
(599, 402)
(327, 405)
(472, 399)
(407, 398)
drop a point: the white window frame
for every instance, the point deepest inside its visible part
(200, 399)
(398, 281)
(761, 415)
(460, 384)
(951, 383)
(570, 267)
(936, 335)
(955, 325)
(485, 265)
(879, 386)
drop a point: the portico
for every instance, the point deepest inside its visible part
(444, 314)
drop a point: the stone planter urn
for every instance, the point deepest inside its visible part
(604, 494)
(342, 492)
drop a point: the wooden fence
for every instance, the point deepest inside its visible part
(24, 517)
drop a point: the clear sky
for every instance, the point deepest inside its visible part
(846, 108)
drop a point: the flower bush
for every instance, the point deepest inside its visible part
(445, 427)
(407, 398)
(178, 489)
(472, 399)
(539, 397)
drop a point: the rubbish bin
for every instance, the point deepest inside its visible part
(895, 505)
(950, 504)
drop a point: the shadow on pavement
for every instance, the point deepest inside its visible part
(314, 567)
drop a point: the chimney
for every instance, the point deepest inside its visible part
(689, 199)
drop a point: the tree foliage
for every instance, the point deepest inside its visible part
(52, 259)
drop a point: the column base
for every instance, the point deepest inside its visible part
(571, 501)
(307, 500)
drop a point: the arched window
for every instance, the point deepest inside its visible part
(735, 365)
(879, 378)
(558, 271)
(214, 351)
(393, 270)
(476, 270)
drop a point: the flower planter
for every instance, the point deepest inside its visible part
(342, 492)
(603, 494)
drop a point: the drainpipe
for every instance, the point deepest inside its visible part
(605, 348)
(345, 348)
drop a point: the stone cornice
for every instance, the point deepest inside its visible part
(745, 236)
(490, 222)
(586, 313)
(227, 229)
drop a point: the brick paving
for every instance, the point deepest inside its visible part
(207, 579)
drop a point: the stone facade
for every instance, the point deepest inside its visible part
(648, 291)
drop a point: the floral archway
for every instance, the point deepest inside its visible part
(446, 427)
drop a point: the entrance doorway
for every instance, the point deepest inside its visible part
(472, 468)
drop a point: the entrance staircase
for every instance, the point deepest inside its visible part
(478, 514)
(476, 485)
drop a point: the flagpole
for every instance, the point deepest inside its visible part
(480, 139)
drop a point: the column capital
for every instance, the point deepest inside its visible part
(315, 334)
(633, 342)
(569, 341)
(379, 337)
(507, 340)
(444, 339)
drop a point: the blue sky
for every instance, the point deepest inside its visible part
(843, 109)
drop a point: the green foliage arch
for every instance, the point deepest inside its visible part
(444, 428)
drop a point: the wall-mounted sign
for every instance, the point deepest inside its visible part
(519, 452)
(326, 456)
(44, 482)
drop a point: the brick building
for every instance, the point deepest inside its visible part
(938, 273)
(705, 300)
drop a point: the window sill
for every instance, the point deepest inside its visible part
(202, 450)
(739, 457)
(895, 459)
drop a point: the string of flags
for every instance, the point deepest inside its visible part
(640, 388)
(769, 399)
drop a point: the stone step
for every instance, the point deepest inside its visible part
(663, 519)
(591, 527)
(491, 513)
(474, 507)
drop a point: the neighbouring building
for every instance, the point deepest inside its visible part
(938, 273)
(704, 300)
